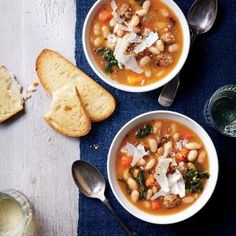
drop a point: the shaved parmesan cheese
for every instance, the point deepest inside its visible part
(117, 18)
(172, 183)
(161, 174)
(129, 61)
(167, 149)
(134, 38)
(136, 152)
(113, 5)
(158, 194)
(147, 42)
(176, 184)
(111, 38)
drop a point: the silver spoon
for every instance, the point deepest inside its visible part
(92, 184)
(201, 18)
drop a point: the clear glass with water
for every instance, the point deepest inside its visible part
(220, 110)
(15, 213)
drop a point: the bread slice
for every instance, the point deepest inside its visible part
(67, 114)
(54, 72)
(11, 99)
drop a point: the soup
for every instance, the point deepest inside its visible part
(162, 167)
(136, 42)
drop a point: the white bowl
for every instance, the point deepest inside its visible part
(208, 189)
(87, 50)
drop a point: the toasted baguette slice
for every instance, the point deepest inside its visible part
(11, 99)
(54, 72)
(67, 114)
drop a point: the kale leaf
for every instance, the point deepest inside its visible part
(109, 57)
(143, 187)
(193, 182)
(144, 131)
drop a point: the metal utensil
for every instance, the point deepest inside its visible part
(92, 184)
(201, 18)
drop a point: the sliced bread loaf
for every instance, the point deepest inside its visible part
(11, 99)
(67, 114)
(54, 72)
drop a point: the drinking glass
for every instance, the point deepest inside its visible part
(15, 213)
(220, 110)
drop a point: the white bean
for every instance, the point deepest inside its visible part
(149, 194)
(96, 29)
(176, 137)
(160, 45)
(141, 12)
(192, 155)
(150, 164)
(173, 48)
(191, 166)
(134, 20)
(188, 200)
(154, 189)
(105, 31)
(141, 162)
(201, 157)
(174, 128)
(164, 12)
(193, 145)
(152, 144)
(148, 73)
(112, 22)
(144, 61)
(154, 50)
(126, 174)
(98, 41)
(146, 5)
(160, 150)
(120, 33)
(134, 195)
(135, 173)
(132, 184)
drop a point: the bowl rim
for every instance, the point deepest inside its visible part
(197, 205)
(185, 51)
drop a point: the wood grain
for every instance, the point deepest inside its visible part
(35, 159)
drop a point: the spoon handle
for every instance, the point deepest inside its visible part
(168, 93)
(127, 231)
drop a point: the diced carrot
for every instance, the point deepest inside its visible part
(134, 79)
(184, 152)
(155, 204)
(150, 182)
(179, 157)
(186, 135)
(125, 161)
(104, 16)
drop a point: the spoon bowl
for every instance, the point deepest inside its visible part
(92, 184)
(202, 15)
(88, 179)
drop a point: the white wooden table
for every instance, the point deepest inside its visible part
(33, 158)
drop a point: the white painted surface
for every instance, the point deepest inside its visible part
(30, 162)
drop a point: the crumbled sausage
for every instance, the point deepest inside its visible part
(168, 38)
(125, 11)
(182, 167)
(164, 60)
(171, 201)
(171, 168)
